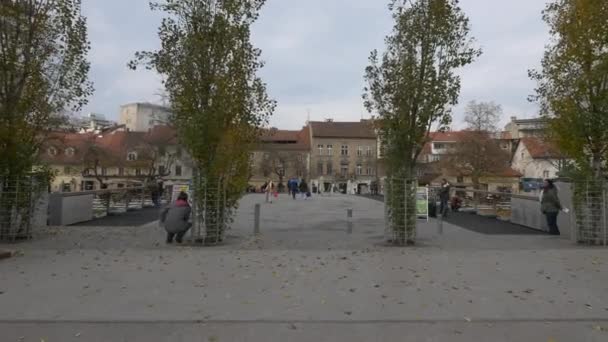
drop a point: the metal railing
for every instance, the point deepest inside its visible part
(75, 207)
(518, 209)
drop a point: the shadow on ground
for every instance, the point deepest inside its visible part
(488, 225)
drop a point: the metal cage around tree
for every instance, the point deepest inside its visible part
(591, 212)
(211, 214)
(19, 201)
(400, 210)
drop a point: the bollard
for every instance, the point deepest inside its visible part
(440, 224)
(256, 224)
(349, 221)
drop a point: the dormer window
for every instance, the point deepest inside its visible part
(69, 151)
(132, 156)
(52, 151)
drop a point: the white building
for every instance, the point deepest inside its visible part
(95, 122)
(141, 117)
(526, 128)
(536, 159)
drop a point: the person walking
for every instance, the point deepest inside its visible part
(551, 206)
(269, 191)
(304, 189)
(292, 185)
(444, 197)
(176, 218)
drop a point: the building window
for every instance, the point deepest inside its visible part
(439, 146)
(344, 150)
(359, 151)
(121, 171)
(69, 151)
(138, 172)
(460, 179)
(370, 171)
(523, 155)
(320, 148)
(330, 169)
(52, 151)
(320, 168)
(178, 170)
(281, 171)
(104, 171)
(132, 156)
(330, 150)
(545, 174)
(369, 152)
(359, 170)
(161, 170)
(178, 153)
(344, 170)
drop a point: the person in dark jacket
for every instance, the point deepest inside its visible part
(304, 188)
(176, 218)
(550, 206)
(444, 197)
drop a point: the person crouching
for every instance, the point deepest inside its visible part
(176, 218)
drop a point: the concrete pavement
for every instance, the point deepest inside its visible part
(307, 278)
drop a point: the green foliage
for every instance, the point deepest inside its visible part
(573, 83)
(210, 70)
(414, 84)
(43, 71)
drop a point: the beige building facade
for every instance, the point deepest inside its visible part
(280, 155)
(343, 156)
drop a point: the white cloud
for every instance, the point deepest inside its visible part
(316, 52)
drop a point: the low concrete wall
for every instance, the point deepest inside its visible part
(526, 212)
(65, 210)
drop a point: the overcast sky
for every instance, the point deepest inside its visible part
(316, 51)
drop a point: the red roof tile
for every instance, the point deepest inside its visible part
(286, 140)
(540, 149)
(356, 130)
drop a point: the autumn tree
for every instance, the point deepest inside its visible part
(482, 116)
(478, 153)
(283, 164)
(209, 69)
(43, 71)
(573, 82)
(413, 86)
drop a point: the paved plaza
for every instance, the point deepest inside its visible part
(308, 277)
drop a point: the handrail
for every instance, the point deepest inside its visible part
(494, 193)
(97, 192)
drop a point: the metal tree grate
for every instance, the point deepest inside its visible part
(18, 199)
(400, 211)
(591, 212)
(210, 213)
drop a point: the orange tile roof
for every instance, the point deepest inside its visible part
(541, 149)
(354, 130)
